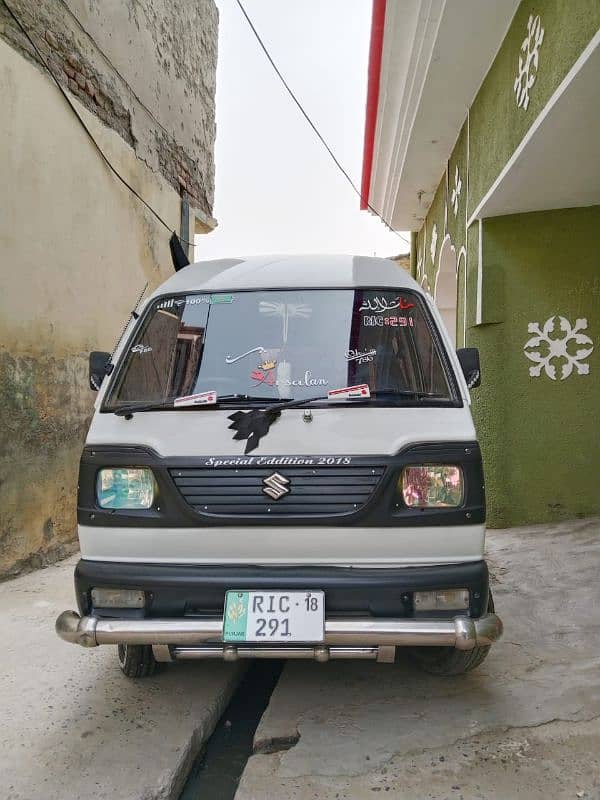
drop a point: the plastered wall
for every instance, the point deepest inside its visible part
(76, 250)
(146, 68)
(540, 435)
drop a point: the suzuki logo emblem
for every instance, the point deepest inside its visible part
(275, 486)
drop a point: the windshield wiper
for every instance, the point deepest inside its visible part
(132, 408)
(253, 425)
(409, 393)
(275, 405)
(246, 398)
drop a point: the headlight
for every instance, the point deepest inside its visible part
(125, 487)
(431, 486)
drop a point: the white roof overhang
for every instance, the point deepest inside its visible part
(435, 57)
(556, 164)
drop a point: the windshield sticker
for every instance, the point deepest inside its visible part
(141, 348)
(232, 359)
(172, 302)
(266, 376)
(307, 380)
(350, 392)
(195, 300)
(361, 357)
(380, 304)
(262, 377)
(202, 399)
(285, 311)
(394, 322)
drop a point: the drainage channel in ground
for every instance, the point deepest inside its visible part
(216, 772)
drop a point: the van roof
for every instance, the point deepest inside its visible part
(288, 272)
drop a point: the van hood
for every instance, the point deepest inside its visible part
(332, 431)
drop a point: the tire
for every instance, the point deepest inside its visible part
(449, 661)
(136, 660)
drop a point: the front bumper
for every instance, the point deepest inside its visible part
(344, 638)
(176, 590)
(369, 612)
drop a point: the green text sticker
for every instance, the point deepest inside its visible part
(221, 298)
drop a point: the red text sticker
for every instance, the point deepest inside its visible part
(202, 399)
(350, 392)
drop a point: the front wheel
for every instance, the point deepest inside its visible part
(137, 660)
(448, 660)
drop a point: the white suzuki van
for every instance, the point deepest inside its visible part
(282, 463)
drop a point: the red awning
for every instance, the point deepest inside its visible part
(375, 51)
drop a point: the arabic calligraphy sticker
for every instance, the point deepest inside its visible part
(360, 356)
(379, 305)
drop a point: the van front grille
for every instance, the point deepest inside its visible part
(318, 491)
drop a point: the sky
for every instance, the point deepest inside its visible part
(277, 190)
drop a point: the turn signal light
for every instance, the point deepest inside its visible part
(118, 598)
(441, 600)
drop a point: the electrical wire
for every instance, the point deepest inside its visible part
(90, 135)
(312, 124)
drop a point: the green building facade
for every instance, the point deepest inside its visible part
(507, 238)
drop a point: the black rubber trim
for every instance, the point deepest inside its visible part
(175, 590)
(383, 508)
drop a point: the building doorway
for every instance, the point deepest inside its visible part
(446, 287)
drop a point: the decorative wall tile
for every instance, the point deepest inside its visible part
(543, 348)
(434, 238)
(528, 61)
(455, 194)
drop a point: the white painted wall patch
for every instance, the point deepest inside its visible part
(542, 348)
(455, 195)
(528, 61)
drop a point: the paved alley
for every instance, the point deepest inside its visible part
(78, 727)
(526, 724)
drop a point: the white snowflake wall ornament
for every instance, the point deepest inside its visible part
(434, 238)
(528, 61)
(455, 194)
(558, 348)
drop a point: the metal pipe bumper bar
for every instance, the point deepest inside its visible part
(235, 653)
(463, 633)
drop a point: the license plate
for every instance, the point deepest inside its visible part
(274, 616)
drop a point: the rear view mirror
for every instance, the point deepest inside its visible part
(469, 362)
(98, 363)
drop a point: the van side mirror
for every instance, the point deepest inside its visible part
(469, 362)
(98, 368)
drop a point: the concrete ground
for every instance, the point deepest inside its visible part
(72, 726)
(526, 724)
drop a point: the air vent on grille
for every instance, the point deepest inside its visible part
(312, 490)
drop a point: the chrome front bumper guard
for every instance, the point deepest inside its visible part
(344, 638)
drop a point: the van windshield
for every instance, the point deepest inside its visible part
(281, 345)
